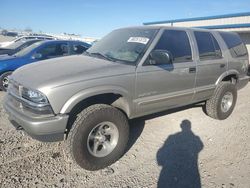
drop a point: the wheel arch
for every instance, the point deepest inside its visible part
(231, 75)
(115, 96)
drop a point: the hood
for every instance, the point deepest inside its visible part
(67, 70)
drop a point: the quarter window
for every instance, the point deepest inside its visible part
(234, 44)
(207, 45)
(177, 43)
(78, 48)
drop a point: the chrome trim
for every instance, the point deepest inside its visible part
(163, 97)
(204, 88)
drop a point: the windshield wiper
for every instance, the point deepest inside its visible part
(101, 55)
(86, 53)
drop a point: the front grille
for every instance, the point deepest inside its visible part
(14, 87)
(14, 102)
(23, 107)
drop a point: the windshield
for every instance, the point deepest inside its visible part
(28, 49)
(15, 45)
(123, 44)
(19, 39)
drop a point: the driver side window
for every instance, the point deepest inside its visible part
(54, 50)
(177, 43)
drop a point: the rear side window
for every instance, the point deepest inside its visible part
(234, 44)
(207, 45)
(54, 50)
(78, 48)
(177, 43)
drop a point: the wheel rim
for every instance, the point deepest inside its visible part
(103, 139)
(5, 82)
(227, 101)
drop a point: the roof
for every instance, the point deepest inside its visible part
(200, 18)
(72, 41)
(168, 27)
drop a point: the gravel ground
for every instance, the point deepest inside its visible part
(182, 147)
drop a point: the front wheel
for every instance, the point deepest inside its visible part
(4, 81)
(98, 137)
(222, 103)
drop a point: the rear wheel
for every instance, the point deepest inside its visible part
(98, 137)
(222, 103)
(4, 81)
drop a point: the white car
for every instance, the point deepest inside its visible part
(5, 44)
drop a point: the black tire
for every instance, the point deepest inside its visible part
(2, 78)
(86, 121)
(214, 105)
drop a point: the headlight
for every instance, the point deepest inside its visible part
(35, 102)
(38, 104)
(34, 96)
(29, 101)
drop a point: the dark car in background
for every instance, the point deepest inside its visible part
(38, 51)
(17, 46)
(10, 33)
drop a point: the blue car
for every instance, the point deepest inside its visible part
(36, 52)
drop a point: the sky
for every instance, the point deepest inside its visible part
(95, 18)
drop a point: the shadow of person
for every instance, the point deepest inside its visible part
(179, 159)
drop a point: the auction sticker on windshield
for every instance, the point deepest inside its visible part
(142, 40)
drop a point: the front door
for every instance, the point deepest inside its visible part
(164, 86)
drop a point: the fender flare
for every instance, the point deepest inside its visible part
(122, 102)
(225, 74)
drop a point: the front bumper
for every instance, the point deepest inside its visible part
(46, 129)
(242, 82)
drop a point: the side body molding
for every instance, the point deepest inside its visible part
(124, 102)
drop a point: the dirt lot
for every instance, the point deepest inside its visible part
(160, 153)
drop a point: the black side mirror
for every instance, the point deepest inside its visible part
(37, 56)
(158, 57)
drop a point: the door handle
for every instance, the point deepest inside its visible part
(192, 70)
(222, 65)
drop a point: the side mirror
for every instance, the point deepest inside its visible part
(37, 56)
(158, 57)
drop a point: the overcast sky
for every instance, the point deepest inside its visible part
(96, 18)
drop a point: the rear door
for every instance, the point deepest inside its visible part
(210, 64)
(160, 87)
